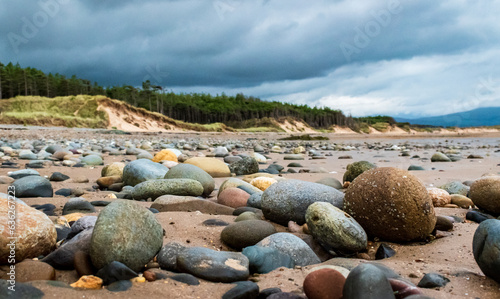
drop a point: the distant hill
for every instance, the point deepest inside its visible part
(489, 116)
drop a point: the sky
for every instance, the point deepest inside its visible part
(400, 58)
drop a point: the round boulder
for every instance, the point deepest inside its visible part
(485, 193)
(391, 204)
(165, 155)
(214, 167)
(156, 188)
(33, 186)
(246, 233)
(355, 169)
(142, 170)
(125, 232)
(439, 197)
(486, 248)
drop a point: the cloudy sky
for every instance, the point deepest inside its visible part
(399, 58)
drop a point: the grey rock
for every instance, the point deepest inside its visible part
(486, 248)
(167, 257)
(63, 257)
(78, 205)
(33, 186)
(246, 233)
(288, 200)
(92, 160)
(332, 182)
(22, 173)
(266, 259)
(433, 280)
(142, 170)
(440, 157)
(292, 245)
(367, 281)
(456, 187)
(188, 171)
(247, 165)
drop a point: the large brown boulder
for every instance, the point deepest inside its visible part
(391, 204)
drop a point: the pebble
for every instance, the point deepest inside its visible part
(58, 177)
(266, 259)
(169, 203)
(355, 169)
(461, 201)
(334, 229)
(214, 167)
(92, 160)
(486, 248)
(88, 282)
(78, 205)
(83, 264)
(433, 280)
(237, 183)
(242, 290)
(107, 181)
(113, 169)
(115, 271)
(214, 222)
(35, 232)
(187, 171)
(332, 182)
(33, 186)
(165, 155)
(233, 197)
(246, 233)
(415, 167)
(30, 270)
(135, 233)
(439, 197)
(443, 223)
(156, 188)
(390, 216)
(142, 170)
(167, 257)
(263, 182)
(477, 216)
(324, 284)
(440, 157)
(384, 251)
(247, 165)
(185, 278)
(367, 281)
(247, 216)
(289, 244)
(293, 157)
(85, 222)
(289, 199)
(64, 256)
(216, 266)
(456, 187)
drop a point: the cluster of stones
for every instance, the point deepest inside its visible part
(112, 249)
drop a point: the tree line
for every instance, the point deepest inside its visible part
(189, 107)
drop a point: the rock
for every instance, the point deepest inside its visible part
(113, 169)
(33, 186)
(115, 271)
(92, 160)
(78, 205)
(293, 157)
(64, 256)
(243, 289)
(214, 222)
(293, 246)
(167, 257)
(400, 207)
(35, 232)
(443, 223)
(324, 283)
(27, 155)
(415, 167)
(266, 293)
(433, 280)
(168, 203)
(6, 180)
(247, 165)
(355, 169)
(440, 157)
(472, 156)
(105, 182)
(247, 216)
(83, 264)
(134, 232)
(233, 197)
(85, 222)
(64, 192)
(288, 200)
(462, 201)
(221, 151)
(156, 188)
(259, 158)
(237, 183)
(165, 155)
(367, 281)
(263, 182)
(217, 266)
(241, 210)
(334, 229)
(266, 259)
(274, 168)
(29, 270)
(384, 251)
(255, 201)
(456, 187)
(88, 282)
(120, 285)
(58, 177)
(142, 170)
(23, 173)
(485, 193)
(439, 197)
(188, 171)
(212, 166)
(246, 233)
(332, 182)
(486, 248)
(232, 159)
(477, 216)
(47, 209)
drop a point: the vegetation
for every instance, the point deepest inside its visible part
(305, 137)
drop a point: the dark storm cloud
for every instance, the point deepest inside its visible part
(317, 52)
